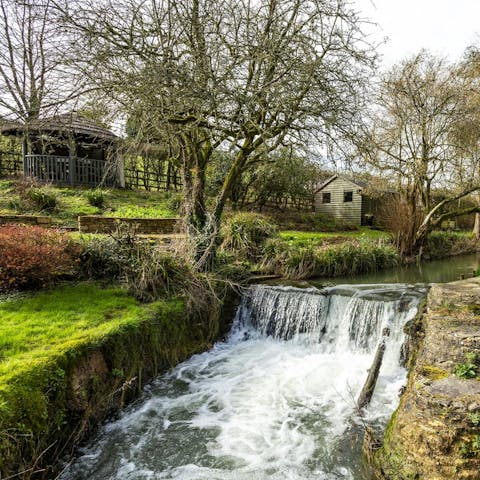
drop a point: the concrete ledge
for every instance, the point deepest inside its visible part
(142, 226)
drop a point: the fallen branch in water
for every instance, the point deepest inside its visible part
(369, 386)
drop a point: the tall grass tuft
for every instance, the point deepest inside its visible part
(96, 197)
(42, 199)
(348, 258)
(246, 234)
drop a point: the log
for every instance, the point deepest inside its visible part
(369, 386)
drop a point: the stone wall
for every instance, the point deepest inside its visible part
(435, 432)
(146, 226)
(41, 221)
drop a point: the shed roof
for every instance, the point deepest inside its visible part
(64, 124)
(359, 183)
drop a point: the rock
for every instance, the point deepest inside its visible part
(430, 437)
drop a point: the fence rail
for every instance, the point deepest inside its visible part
(136, 179)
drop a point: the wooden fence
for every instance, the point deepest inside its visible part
(137, 179)
(69, 170)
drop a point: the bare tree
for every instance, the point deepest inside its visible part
(414, 137)
(466, 134)
(236, 75)
(34, 78)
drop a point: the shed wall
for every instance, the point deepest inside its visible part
(350, 212)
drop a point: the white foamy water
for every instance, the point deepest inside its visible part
(275, 401)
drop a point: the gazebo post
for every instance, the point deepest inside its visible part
(24, 154)
(72, 167)
(120, 167)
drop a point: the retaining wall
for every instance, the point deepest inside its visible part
(146, 226)
(42, 221)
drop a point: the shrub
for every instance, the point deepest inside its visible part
(402, 220)
(95, 197)
(148, 272)
(173, 201)
(33, 257)
(246, 234)
(104, 258)
(444, 243)
(42, 199)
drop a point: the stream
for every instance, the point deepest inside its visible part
(274, 401)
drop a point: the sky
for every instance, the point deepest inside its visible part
(446, 27)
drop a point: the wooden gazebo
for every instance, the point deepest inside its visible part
(69, 149)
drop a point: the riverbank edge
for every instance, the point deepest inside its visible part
(433, 433)
(85, 386)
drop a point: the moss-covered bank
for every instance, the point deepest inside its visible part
(435, 432)
(53, 393)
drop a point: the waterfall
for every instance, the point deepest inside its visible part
(341, 318)
(274, 401)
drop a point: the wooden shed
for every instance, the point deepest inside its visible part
(344, 198)
(69, 149)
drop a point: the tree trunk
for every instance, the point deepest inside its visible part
(207, 243)
(476, 228)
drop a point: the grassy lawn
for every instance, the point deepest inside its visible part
(318, 238)
(72, 202)
(41, 326)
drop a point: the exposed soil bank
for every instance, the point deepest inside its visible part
(434, 434)
(46, 412)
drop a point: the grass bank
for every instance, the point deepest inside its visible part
(302, 238)
(72, 356)
(69, 203)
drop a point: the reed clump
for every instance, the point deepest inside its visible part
(348, 258)
(246, 234)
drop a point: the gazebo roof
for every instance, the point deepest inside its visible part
(61, 125)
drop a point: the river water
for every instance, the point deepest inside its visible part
(275, 401)
(436, 271)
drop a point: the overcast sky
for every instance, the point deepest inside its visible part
(445, 27)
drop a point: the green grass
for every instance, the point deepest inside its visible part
(135, 211)
(318, 238)
(73, 202)
(41, 326)
(72, 354)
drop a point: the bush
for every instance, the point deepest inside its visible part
(42, 199)
(246, 233)
(349, 258)
(95, 197)
(446, 243)
(32, 196)
(173, 201)
(402, 220)
(148, 272)
(104, 258)
(33, 257)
